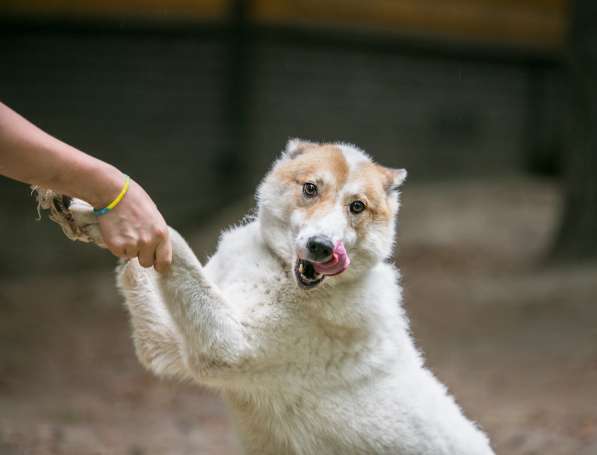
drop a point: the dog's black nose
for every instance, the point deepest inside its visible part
(320, 248)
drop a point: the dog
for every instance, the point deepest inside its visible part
(297, 318)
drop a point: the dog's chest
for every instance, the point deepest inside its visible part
(289, 330)
(258, 286)
(250, 278)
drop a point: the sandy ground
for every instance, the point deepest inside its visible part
(514, 338)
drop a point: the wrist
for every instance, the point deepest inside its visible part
(103, 185)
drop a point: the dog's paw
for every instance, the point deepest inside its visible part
(75, 217)
(129, 274)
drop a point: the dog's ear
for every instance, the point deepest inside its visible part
(296, 146)
(394, 178)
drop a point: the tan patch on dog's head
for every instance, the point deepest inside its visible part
(313, 161)
(326, 166)
(295, 147)
(321, 164)
(375, 185)
(371, 179)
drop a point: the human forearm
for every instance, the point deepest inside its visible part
(134, 228)
(30, 155)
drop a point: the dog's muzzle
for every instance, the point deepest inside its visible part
(324, 258)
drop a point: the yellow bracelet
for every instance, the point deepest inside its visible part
(115, 202)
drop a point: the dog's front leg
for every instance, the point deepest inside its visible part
(214, 339)
(157, 342)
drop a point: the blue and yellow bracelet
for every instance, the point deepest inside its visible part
(115, 202)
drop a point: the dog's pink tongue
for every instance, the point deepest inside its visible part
(338, 264)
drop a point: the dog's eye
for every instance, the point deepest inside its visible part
(357, 207)
(310, 190)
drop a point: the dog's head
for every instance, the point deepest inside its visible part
(327, 209)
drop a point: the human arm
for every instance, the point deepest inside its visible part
(135, 228)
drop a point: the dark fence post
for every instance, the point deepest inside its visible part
(236, 153)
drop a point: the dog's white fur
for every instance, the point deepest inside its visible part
(332, 370)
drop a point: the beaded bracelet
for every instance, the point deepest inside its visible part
(115, 202)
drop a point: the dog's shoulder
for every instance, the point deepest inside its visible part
(242, 256)
(237, 238)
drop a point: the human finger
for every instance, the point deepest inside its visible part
(163, 255)
(116, 247)
(131, 251)
(147, 255)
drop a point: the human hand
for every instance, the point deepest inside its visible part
(136, 228)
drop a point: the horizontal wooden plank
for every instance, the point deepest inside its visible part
(165, 9)
(529, 23)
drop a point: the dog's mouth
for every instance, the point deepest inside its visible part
(310, 274)
(306, 275)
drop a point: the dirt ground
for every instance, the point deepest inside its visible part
(514, 337)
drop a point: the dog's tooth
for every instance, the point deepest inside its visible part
(301, 267)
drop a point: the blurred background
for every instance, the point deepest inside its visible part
(491, 105)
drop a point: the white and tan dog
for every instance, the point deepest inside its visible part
(297, 318)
